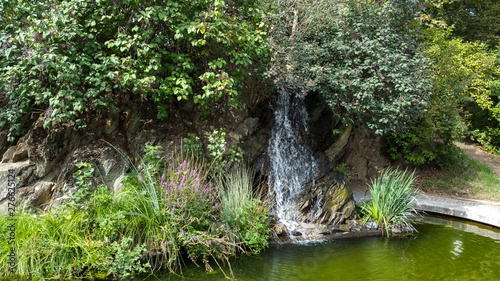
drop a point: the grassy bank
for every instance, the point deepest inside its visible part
(167, 214)
(466, 177)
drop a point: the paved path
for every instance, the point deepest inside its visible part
(482, 211)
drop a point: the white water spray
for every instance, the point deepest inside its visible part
(292, 163)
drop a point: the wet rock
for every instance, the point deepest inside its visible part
(281, 230)
(272, 220)
(371, 225)
(402, 229)
(356, 228)
(324, 165)
(309, 228)
(345, 228)
(329, 201)
(336, 228)
(296, 233)
(352, 222)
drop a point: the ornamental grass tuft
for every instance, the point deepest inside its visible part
(392, 199)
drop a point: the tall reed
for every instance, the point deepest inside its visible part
(392, 198)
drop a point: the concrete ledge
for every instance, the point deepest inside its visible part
(476, 210)
(486, 212)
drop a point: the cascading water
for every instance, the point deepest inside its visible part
(291, 161)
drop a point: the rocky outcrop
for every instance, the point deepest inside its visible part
(45, 160)
(328, 201)
(363, 154)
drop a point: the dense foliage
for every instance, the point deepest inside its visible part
(63, 59)
(371, 60)
(461, 75)
(165, 212)
(363, 58)
(473, 20)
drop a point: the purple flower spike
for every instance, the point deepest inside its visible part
(166, 243)
(198, 183)
(206, 189)
(183, 234)
(178, 203)
(197, 238)
(182, 181)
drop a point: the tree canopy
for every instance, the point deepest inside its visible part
(64, 58)
(386, 64)
(362, 56)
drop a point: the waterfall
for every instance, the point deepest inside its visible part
(291, 162)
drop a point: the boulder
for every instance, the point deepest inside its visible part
(371, 225)
(364, 154)
(281, 230)
(38, 194)
(328, 201)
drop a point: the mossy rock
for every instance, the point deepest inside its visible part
(328, 201)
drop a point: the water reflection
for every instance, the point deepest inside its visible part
(441, 250)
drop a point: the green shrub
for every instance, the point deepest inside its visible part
(55, 245)
(127, 259)
(74, 66)
(178, 209)
(419, 145)
(392, 198)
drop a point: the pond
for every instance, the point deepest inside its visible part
(443, 249)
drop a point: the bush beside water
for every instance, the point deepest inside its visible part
(165, 213)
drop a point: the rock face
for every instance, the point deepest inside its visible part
(363, 153)
(329, 201)
(44, 160)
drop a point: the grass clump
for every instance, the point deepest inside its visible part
(392, 199)
(242, 209)
(74, 241)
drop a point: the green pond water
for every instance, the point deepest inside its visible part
(443, 249)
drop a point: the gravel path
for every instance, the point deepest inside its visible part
(481, 156)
